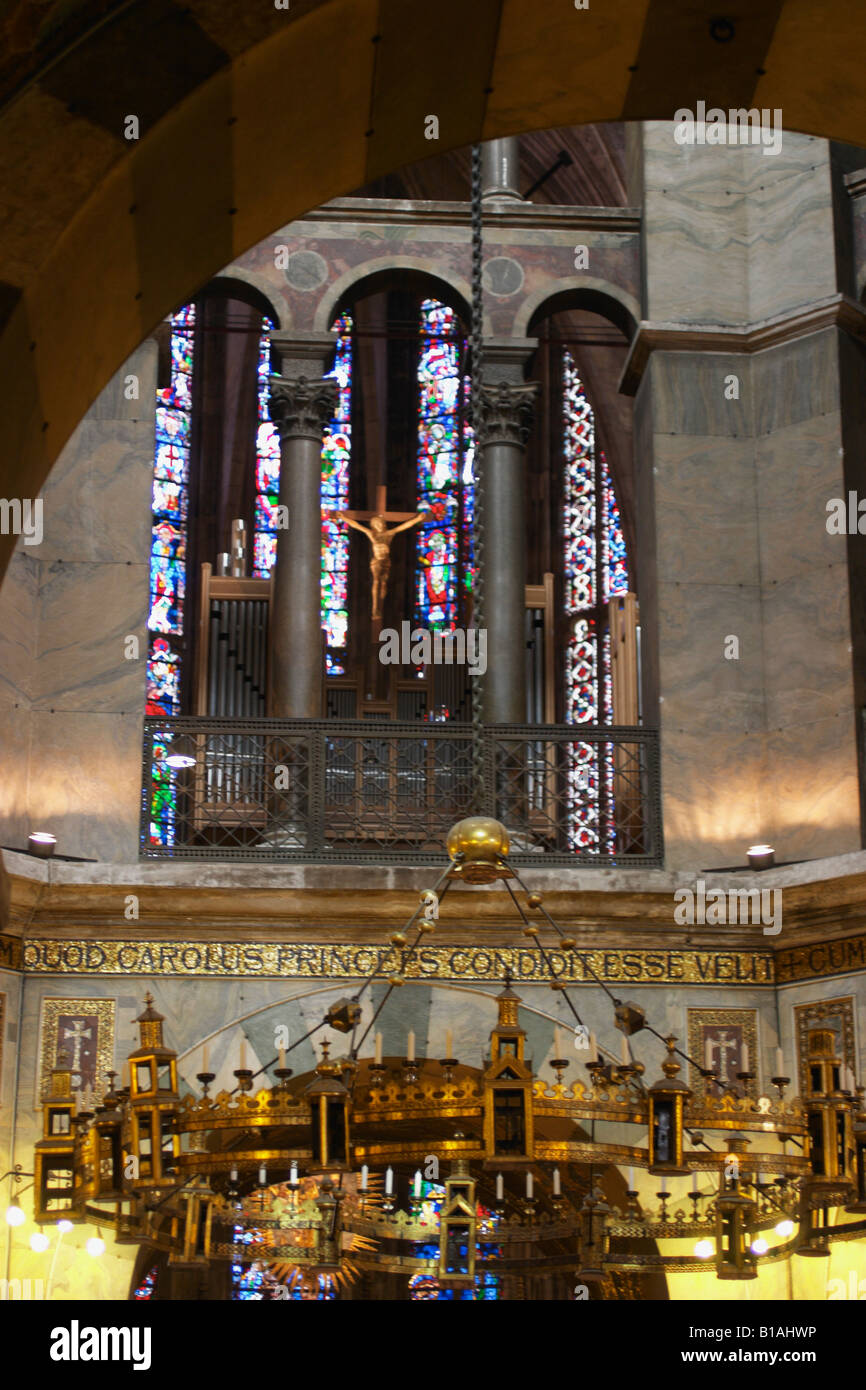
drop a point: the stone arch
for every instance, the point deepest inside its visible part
(373, 275)
(252, 289)
(579, 292)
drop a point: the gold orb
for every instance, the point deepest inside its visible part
(483, 843)
(530, 930)
(534, 900)
(568, 943)
(398, 939)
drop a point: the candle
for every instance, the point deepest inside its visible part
(624, 1047)
(708, 1054)
(780, 1062)
(410, 1047)
(529, 1185)
(263, 1176)
(418, 1182)
(204, 1058)
(233, 1175)
(243, 1066)
(389, 1181)
(694, 1182)
(364, 1172)
(664, 1186)
(744, 1057)
(293, 1173)
(449, 1043)
(556, 1187)
(631, 1180)
(500, 1187)
(557, 1043)
(282, 1058)
(593, 1050)
(378, 1042)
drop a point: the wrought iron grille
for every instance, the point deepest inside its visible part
(322, 791)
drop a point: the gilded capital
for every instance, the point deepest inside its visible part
(302, 406)
(506, 411)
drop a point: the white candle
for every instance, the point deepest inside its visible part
(529, 1185)
(418, 1182)
(557, 1043)
(500, 1187)
(263, 1177)
(204, 1058)
(744, 1057)
(708, 1055)
(664, 1186)
(378, 1042)
(631, 1180)
(293, 1173)
(282, 1058)
(389, 1181)
(243, 1065)
(780, 1062)
(593, 1050)
(449, 1043)
(233, 1175)
(364, 1172)
(556, 1187)
(694, 1182)
(410, 1047)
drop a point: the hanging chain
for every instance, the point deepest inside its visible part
(477, 480)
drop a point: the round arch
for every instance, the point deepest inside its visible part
(579, 292)
(249, 288)
(376, 275)
(247, 121)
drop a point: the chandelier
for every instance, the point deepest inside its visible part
(327, 1176)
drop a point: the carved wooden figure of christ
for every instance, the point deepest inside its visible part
(380, 538)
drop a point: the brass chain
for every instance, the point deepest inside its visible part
(477, 327)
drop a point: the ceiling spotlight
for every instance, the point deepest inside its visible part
(704, 1249)
(41, 843)
(39, 1242)
(761, 856)
(180, 760)
(15, 1215)
(759, 1246)
(785, 1228)
(722, 30)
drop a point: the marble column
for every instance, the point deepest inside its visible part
(500, 168)
(506, 411)
(302, 402)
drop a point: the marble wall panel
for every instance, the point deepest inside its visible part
(97, 497)
(813, 782)
(705, 507)
(794, 382)
(799, 468)
(713, 794)
(807, 652)
(18, 622)
(701, 685)
(86, 613)
(689, 392)
(15, 738)
(789, 225)
(85, 781)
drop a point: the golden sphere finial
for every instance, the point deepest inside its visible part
(479, 845)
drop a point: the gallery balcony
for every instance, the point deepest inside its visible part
(355, 791)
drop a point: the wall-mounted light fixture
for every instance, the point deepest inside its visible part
(761, 856)
(41, 843)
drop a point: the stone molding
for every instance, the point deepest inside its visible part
(302, 406)
(837, 310)
(497, 213)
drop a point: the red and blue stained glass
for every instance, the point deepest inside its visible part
(426, 1211)
(265, 521)
(445, 448)
(596, 568)
(336, 459)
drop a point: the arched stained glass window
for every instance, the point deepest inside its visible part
(445, 453)
(596, 569)
(336, 458)
(170, 505)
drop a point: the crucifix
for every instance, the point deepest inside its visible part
(380, 538)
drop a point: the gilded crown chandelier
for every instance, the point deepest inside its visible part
(324, 1175)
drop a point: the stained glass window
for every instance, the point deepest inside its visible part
(596, 569)
(265, 521)
(445, 448)
(336, 458)
(147, 1288)
(168, 563)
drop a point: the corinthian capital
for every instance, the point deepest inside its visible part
(506, 411)
(302, 406)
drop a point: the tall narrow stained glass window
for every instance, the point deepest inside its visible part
(445, 455)
(265, 522)
(168, 564)
(336, 459)
(596, 569)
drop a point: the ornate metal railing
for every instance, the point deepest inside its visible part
(318, 791)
